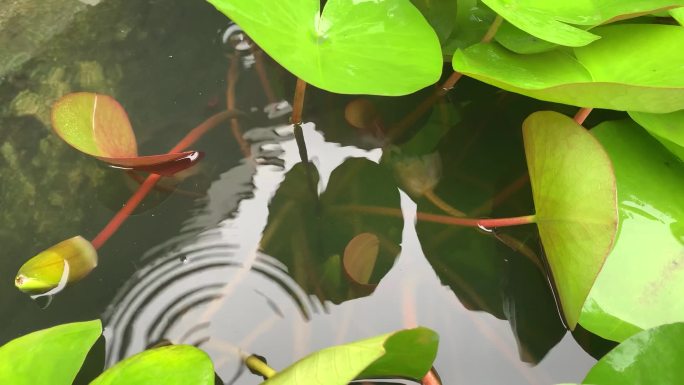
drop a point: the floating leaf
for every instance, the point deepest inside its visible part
(473, 19)
(678, 14)
(653, 356)
(633, 67)
(519, 41)
(62, 264)
(98, 125)
(360, 256)
(407, 354)
(382, 47)
(667, 128)
(168, 365)
(641, 282)
(51, 356)
(551, 20)
(575, 198)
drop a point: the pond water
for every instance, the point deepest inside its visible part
(242, 252)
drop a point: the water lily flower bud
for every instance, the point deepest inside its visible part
(62, 264)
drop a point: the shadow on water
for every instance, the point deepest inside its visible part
(247, 254)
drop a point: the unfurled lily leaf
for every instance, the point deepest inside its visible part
(407, 354)
(575, 198)
(381, 47)
(60, 265)
(632, 68)
(653, 356)
(552, 20)
(667, 128)
(98, 125)
(51, 356)
(641, 282)
(360, 256)
(168, 365)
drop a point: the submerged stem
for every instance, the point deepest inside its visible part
(263, 76)
(582, 115)
(442, 205)
(446, 219)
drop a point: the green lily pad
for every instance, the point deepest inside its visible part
(575, 198)
(552, 20)
(641, 282)
(633, 67)
(382, 47)
(64, 263)
(519, 41)
(309, 233)
(678, 14)
(168, 365)
(407, 354)
(653, 356)
(98, 126)
(667, 128)
(51, 356)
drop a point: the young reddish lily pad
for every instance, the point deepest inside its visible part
(573, 186)
(98, 125)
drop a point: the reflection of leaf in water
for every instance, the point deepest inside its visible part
(309, 236)
(481, 157)
(529, 306)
